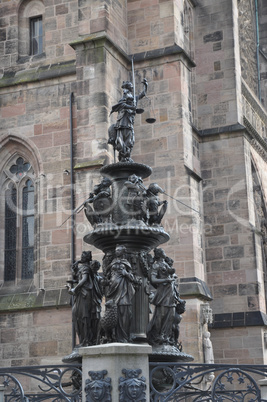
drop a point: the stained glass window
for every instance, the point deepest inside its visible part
(10, 233)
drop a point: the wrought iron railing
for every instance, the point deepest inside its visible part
(168, 382)
(205, 382)
(42, 383)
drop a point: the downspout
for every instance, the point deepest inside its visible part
(72, 255)
(258, 48)
(72, 181)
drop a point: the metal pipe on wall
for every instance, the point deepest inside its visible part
(72, 204)
(258, 48)
(72, 181)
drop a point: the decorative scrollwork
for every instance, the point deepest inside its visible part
(51, 383)
(13, 387)
(176, 382)
(237, 385)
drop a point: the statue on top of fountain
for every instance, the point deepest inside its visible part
(121, 134)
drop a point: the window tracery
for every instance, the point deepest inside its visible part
(18, 211)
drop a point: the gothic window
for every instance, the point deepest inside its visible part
(19, 220)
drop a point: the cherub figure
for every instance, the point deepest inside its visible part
(153, 203)
(135, 203)
(102, 203)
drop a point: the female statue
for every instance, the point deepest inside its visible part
(87, 298)
(121, 134)
(82, 298)
(121, 290)
(160, 328)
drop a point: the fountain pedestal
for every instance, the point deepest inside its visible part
(126, 365)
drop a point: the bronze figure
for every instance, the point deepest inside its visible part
(121, 289)
(121, 134)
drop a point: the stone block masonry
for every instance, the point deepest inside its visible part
(194, 55)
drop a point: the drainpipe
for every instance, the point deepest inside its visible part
(72, 255)
(258, 48)
(72, 181)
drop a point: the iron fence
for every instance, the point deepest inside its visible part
(41, 383)
(168, 382)
(206, 382)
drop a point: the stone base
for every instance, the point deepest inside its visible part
(115, 357)
(168, 353)
(263, 387)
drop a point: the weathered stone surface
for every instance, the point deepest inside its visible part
(34, 99)
(249, 289)
(234, 252)
(215, 253)
(225, 290)
(224, 265)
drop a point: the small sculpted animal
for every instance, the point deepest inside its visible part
(108, 323)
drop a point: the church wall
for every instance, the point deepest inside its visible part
(239, 345)
(262, 13)
(109, 17)
(34, 99)
(234, 262)
(39, 114)
(248, 43)
(39, 111)
(37, 337)
(207, 166)
(229, 252)
(60, 27)
(218, 71)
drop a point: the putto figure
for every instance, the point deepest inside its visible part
(153, 203)
(135, 205)
(102, 203)
(121, 134)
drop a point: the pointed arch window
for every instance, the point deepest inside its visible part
(19, 221)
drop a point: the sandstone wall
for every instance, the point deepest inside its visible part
(200, 150)
(31, 338)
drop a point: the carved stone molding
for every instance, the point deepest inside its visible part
(261, 151)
